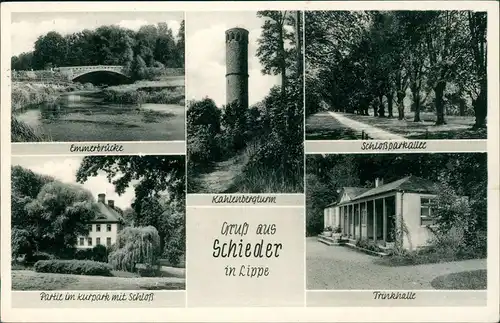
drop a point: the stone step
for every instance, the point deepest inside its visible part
(325, 241)
(330, 241)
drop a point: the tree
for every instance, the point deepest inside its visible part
(326, 177)
(271, 51)
(57, 216)
(134, 246)
(153, 175)
(234, 124)
(181, 43)
(166, 49)
(446, 50)
(477, 25)
(26, 182)
(106, 45)
(203, 127)
(50, 50)
(138, 68)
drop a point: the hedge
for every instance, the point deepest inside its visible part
(98, 253)
(30, 260)
(74, 267)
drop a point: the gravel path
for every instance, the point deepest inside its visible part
(373, 132)
(338, 267)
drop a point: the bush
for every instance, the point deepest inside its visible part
(83, 254)
(100, 253)
(88, 86)
(148, 270)
(368, 245)
(73, 267)
(29, 260)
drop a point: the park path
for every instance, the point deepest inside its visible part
(338, 267)
(371, 131)
(223, 175)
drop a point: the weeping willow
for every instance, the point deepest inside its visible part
(139, 245)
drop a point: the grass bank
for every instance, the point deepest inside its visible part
(429, 256)
(236, 174)
(30, 280)
(133, 95)
(465, 280)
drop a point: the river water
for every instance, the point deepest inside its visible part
(83, 116)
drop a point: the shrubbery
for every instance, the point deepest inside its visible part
(98, 253)
(268, 137)
(30, 260)
(74, 267)
(136, 245)
(165, 96)
(368, 245)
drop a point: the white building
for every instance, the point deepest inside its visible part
(376, 213)
(104, 228)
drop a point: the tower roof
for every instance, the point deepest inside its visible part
(237, 29)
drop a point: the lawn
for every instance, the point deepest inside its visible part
(474, 279)
(30, 280)
(456, 128)
(322, 126)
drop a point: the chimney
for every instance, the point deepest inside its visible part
(379, 182)
(111, 203)
(101, 198)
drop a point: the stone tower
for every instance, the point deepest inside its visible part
(237, 66)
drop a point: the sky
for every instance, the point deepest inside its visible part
(64, 168)
(206, 55)
(27, 27)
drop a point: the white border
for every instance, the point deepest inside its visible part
(490, 313)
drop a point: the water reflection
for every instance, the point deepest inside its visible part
(84, 116)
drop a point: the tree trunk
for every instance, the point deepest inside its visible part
(381, 109)
(481, 107)
(416, 118)
(439, 102)
(461, 107)
(401, 107)
(366, 106)
(390, 98)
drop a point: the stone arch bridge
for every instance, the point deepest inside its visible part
(73, 73)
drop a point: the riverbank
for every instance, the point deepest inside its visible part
(26, 94)
(137, 94)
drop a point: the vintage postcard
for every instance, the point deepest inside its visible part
(242, 161)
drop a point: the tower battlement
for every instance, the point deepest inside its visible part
(237, 34)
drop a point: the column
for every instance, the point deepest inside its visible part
(384, 213)
(348, 224)
(359, 217)
(366, 219)
(374, 222)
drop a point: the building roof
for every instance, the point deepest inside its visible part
(107, 214)
(410, 183)
(352, 192)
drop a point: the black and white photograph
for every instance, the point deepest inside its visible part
(98, 223)
(396, 75)
(396, 221)
(97, 76)
(245, 102)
